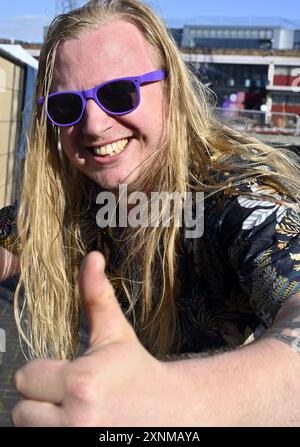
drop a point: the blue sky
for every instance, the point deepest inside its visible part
(24, 19)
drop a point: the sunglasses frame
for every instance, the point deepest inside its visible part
(153, 76)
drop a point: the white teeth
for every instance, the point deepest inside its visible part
(111, 149)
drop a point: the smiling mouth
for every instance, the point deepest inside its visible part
(110, 149)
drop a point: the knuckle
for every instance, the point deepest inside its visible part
(79, 385)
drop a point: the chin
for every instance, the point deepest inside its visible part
(111, 183)
(107, 184)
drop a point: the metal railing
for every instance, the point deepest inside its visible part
(256, 121)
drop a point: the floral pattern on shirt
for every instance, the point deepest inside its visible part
(8, 229)
(241, 271)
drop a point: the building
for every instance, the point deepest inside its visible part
(243, 37)
(247, 66)
(253, 80)
(17, 77)
(284, 85)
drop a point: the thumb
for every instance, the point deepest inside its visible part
(107, 322)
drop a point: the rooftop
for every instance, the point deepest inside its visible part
(271, 22)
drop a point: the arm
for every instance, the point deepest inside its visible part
(118, 383)
(257, 385)
(9, 264)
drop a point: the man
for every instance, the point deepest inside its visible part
(113, 91)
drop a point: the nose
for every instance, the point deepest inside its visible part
(95, 121)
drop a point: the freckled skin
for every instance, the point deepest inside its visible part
(117, 49)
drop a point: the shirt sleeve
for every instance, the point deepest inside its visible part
(8, 229)
(261, 240)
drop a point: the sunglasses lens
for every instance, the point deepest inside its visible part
(64, 108)
(118, 96)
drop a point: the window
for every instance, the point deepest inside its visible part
(240, 34)
(279, 99)
(262, 34)
(281, 71)
(269, 34)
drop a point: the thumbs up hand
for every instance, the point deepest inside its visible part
(115, 383)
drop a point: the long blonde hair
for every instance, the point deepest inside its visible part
(54, 195)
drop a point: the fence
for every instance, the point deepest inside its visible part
(256, 121)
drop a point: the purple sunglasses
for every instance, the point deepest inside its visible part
(115, 97)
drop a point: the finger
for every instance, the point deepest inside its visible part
(41, 380)
(29, 413)
(107, 322)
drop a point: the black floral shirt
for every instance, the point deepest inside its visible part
(233, 279)
(236, 277)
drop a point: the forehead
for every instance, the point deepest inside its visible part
(116, 49)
